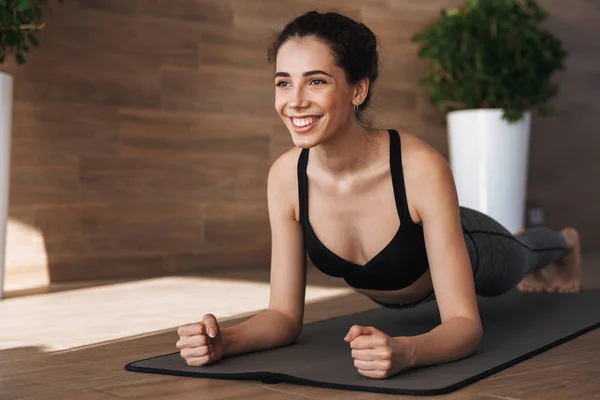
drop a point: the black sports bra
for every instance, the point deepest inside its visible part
(398, 265)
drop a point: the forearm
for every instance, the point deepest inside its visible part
(265, 330)
(452, 340)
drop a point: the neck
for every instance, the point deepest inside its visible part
(346, 151)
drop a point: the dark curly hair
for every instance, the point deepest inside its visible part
(353, 44)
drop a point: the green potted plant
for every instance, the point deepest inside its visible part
(20, 20)
(491, 63)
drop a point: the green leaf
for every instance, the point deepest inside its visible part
(37, 11)
(19, 20)
(22, 5)
(20, 59)
(491, 54)
(5, 17)
(33, 40)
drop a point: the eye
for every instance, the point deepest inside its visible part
(317, 82)
(281, 83)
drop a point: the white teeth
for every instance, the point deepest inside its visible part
(303, 121)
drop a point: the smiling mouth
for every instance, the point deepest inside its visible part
(304, 122)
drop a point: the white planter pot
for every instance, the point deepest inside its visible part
(6, 99)
(489, 160)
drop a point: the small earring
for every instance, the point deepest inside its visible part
(356, 108)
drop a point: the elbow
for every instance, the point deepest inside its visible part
(288, 327)
(470, 335)
(288, 337)
(293, 330)
(478, 331)
(294, 333)
(475, 337)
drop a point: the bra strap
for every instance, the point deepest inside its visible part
(398, 176)
(303, 185)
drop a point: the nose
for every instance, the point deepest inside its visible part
(297, 98)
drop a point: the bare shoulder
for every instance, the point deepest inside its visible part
(420, 159)
(283, 182)
(427, 173)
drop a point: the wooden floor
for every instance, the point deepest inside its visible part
(72, 342)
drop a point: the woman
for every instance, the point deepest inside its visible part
(379, 209)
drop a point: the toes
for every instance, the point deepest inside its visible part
(567, 289)
(524, 287)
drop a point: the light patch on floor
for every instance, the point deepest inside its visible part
(64, 320)
(26, 261)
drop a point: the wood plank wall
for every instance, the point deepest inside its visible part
(144, 129)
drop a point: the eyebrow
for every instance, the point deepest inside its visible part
(308, 73)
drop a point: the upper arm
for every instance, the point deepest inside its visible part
(288, 263)
(449, 261)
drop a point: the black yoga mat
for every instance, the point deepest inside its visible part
(517, 326)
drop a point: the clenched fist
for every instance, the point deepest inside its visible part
(375, 354)
(200, 343)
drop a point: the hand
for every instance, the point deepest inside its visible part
(376, 355)
(201, 343)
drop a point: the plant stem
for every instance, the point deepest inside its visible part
(440, 72)
(493, 28)
(28, 27)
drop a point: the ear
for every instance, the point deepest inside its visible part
(361, 89)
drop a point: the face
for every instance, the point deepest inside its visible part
(312, 96)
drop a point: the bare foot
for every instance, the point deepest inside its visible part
(534, 282)
(563, 276)
(566, 272)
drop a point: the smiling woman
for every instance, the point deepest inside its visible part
(320, 70)
(383, 215)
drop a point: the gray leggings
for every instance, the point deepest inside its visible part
(499, 259)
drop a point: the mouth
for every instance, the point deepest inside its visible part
(304, 124)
